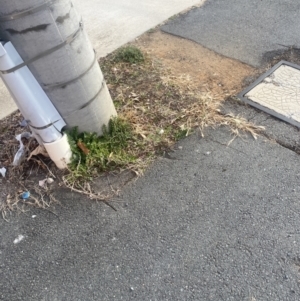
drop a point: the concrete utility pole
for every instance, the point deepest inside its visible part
(50, 37)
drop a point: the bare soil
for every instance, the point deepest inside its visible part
(203, 68)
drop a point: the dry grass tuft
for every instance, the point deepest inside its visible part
(163, 108)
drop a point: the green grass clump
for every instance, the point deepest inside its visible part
(180, 134)
(93, 154)
(129, 54)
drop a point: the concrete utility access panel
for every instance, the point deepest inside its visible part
(277, 92)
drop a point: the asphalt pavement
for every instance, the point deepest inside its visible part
(241, 29)
(216, 222)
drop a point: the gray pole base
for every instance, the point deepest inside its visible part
(70, 75)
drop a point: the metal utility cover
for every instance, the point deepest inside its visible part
(277, 92)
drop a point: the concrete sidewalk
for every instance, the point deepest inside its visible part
(217, 222)
(110, 24)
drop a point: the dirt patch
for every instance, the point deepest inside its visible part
(199, 66)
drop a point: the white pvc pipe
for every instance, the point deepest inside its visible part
(60, 152)
(35, 106)
(30, 98)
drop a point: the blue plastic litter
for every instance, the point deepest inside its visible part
(25, 195)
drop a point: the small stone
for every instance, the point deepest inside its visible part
(18, 239)
(50, 180)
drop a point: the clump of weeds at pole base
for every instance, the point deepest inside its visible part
(154, 112)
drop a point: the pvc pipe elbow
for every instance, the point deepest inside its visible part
(60, 152)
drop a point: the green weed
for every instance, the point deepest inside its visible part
(129, 54)
(93, 154)
(180, 134)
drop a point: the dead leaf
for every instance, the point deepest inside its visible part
(40, 150)
(83, 147)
